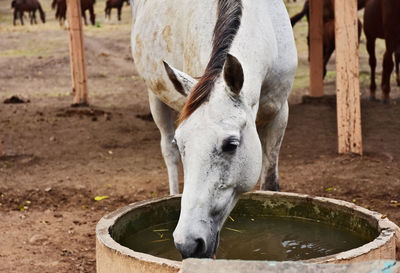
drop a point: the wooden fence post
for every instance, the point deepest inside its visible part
(316, 49)
(347, 77)
(77, 53)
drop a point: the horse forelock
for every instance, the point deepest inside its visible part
(229, 14)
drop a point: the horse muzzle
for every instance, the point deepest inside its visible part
(192, 246)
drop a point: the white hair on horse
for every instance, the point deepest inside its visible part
(233, 117)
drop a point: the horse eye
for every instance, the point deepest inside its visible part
(230, 145)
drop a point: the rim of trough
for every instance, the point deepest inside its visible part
(386, 228)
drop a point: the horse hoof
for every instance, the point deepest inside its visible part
(372, 98)
(385, 101)
(274, 187)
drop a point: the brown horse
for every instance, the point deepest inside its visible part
(85, 5)
(117, 4)
(20, 6)
(328, 26)
(382, 20)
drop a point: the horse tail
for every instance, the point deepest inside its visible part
(301, 14)
(42, 14)
(13, 4)
(54, 4)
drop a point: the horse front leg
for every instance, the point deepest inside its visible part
(372, 64)
(63, 17)
(34, 17)
(105, 12)
(15, 17)
(92, 16)
(328, 44)
(21, 17)
(388, 66)
(397, 60)
(109, 13)
(271, 135)
(119, 13)
(164, 117)
(327, 55)
(84, 17)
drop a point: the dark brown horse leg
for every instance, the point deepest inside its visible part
(92, 16)
(327, 55)
(372, 64)
(21, 17)
(119, 13)
(60, 18)
(397, 60)
(388, 66)
(84, 17)
(328, 43)
(34, 17)
(15, 17)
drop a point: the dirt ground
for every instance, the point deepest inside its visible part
(57, 158)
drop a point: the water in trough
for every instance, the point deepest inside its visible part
(255, 238)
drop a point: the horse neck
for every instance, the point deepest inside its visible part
(256, 53)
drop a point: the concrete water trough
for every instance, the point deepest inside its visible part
(381, 234)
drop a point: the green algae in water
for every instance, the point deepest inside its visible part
(258, 238)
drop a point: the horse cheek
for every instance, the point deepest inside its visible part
(251, 162)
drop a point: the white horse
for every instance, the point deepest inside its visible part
(233, 117)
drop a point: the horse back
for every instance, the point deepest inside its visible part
(25, 5)
(159, 33)
(381, 19)
(181, 33)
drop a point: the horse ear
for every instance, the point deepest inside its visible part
(182, 82)
(233, 74)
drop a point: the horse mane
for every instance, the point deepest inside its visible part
(229, 14)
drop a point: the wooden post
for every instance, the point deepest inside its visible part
(77, 53)
(347, 77)
(316, 49)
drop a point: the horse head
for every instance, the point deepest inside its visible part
(221, 156)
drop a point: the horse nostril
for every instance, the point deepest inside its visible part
(192, 248)
(200, 248)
